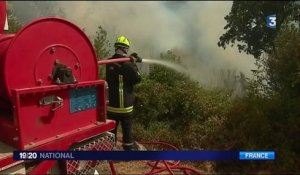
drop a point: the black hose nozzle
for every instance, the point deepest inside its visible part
(136, 57)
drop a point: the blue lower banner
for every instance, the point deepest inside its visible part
(143, 155)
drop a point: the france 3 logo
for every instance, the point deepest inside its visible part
(271, 21)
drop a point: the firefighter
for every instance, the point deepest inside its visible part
(121, 78)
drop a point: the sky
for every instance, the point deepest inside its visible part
(190, 28)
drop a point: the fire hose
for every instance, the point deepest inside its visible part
(168, 165)
(155, 165)
(133, 56)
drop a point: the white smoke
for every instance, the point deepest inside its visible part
(189, 27)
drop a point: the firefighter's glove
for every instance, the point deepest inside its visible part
(135, 58)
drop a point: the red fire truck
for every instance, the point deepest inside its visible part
(50, 96)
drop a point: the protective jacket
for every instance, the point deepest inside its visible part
(121, 78)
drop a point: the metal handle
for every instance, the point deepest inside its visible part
(50, 100)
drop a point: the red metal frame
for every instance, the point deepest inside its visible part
(64, 143)
(23, 124)
(31, 126)
(8, 162)
(44, 166)
(37, 124)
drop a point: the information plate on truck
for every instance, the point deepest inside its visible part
(83, 99)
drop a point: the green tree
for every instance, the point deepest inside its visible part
(14, 24)
(101, 45)
(246, 24)
(283, 65)
(269, 113)
(168, 102)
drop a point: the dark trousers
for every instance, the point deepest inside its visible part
(126, 124)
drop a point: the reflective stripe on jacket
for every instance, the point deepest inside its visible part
(121, 78)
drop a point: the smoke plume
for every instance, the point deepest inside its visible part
(191, 29)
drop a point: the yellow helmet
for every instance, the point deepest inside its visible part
(122, 41)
